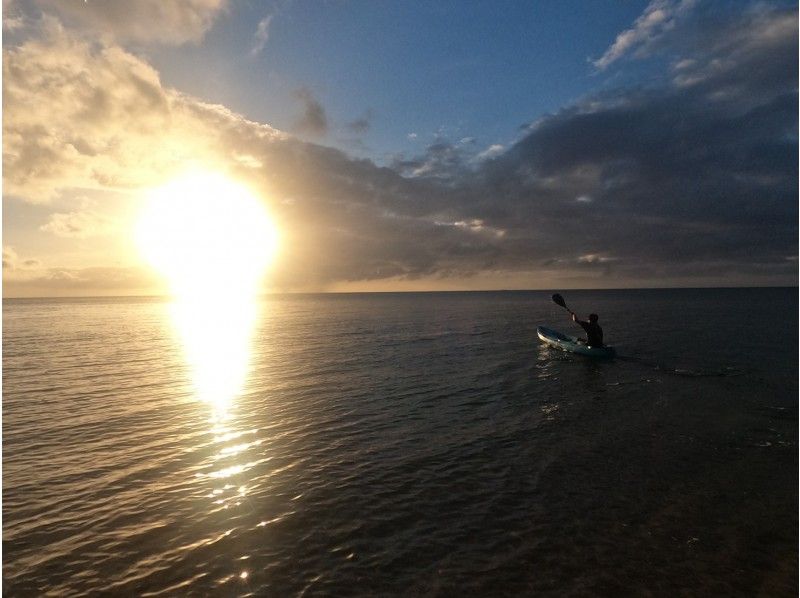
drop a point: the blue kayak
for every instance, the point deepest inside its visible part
(572, 344)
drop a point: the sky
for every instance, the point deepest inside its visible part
(408, 145)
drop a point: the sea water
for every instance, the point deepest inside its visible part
(405, 444)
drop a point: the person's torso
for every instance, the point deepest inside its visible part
(594, 334)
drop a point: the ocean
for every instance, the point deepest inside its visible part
(415, 444)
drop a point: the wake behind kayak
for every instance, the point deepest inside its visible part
(571, 344)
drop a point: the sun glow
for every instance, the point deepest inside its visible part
(213, 240)
(207, 234)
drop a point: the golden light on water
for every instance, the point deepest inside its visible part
(213, 240)
(216, 336)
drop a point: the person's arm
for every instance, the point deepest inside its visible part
(581, 323)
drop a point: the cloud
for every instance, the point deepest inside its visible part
(362, 124)
(442, 160)
(692, 182)
(756, 45)
(168, 22)
(10, 258)
(15, 267)
(29, 277)
(83, 115)
(593, 258)
(476, 226)
(313, 119)
(261, 36)
(78, 114)
(80, 224)
(659, 17)
(14, 18)
(683, 177)
(492, 151)
(96, 281)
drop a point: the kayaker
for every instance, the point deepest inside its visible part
(594, 334)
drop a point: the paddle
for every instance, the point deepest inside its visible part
(559, 300)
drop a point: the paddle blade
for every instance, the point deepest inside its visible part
(559, 300)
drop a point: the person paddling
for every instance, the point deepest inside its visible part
(594, 334)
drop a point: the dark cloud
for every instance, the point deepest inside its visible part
(694, 177)
(700, 171)
(441, 160)
(313, 120)
(362, 124)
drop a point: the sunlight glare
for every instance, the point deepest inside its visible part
(212, 239)
(207, 234)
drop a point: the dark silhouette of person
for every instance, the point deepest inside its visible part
(594, 334)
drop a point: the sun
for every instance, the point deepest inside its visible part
(207, 235)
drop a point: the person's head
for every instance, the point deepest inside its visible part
(593, 317)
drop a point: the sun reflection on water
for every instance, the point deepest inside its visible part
(212, 239)
(216, 335)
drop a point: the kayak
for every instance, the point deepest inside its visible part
(571, 344)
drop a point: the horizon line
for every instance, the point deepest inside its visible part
(539, 290)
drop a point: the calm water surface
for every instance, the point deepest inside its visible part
(409, 444)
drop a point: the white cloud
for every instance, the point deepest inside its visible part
(492, 151)
(659, 16)
(16, 267)
(84, 115)
(475, 225)
(595, 258)
(10, 258)
(261, 35)
(169, 22)
(80, 224)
